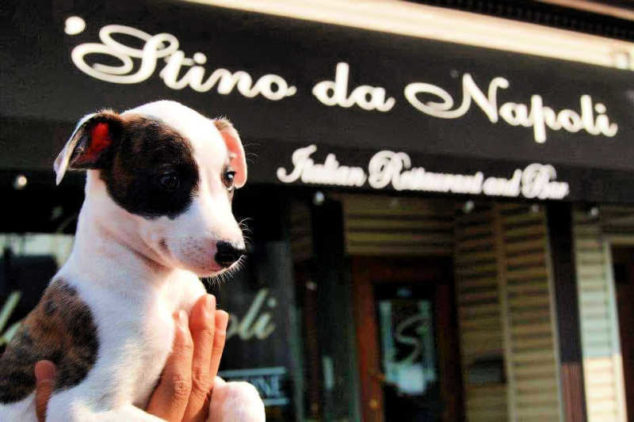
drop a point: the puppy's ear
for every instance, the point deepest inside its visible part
(88, 146)
(236, 152)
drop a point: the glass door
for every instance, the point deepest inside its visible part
(408, 353)
(407, 346)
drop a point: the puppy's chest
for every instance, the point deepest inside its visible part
(138, 344)
(156, 348)
(156, 333)
(136, 332)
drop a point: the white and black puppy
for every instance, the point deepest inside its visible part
(157, 215)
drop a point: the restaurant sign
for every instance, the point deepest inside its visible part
(179, 71)
(395, 170)
(425, 115)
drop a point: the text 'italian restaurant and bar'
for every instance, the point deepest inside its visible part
(439, 231)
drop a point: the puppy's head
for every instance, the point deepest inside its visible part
(174, 173)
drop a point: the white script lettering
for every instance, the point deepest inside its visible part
(127, 55)
(256, 323)
(328, 173)
(538, 182)
(395, 170)
(537, 115)
(179, 71)
(335, 93)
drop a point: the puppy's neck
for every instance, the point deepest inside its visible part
(109, 249)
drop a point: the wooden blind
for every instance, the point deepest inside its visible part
(527, 298)
(618, 223)
(597, 306)
(505, 293)
(479, 312)
(379, 225)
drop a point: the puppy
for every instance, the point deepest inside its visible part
(156, 216)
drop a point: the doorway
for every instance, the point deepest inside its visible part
(407, 340)
(623, 261)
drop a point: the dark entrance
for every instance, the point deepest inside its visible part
(406, 340)
(623, 258)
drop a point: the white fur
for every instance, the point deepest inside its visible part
(133, 285)
(22, 411)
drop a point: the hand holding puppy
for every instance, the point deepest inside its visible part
(188, 382)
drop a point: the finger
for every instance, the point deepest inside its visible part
(44, 384)
(171, 396)
(202, 326)
(220, 335)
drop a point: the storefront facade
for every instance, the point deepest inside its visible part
(440, 231)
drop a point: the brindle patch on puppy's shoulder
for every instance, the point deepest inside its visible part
(60, 329)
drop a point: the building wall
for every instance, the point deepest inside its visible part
(504, 293)
(597, 306)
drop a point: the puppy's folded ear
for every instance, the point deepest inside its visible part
(89, 144)
(236, 151)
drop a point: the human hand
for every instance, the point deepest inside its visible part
(183, 393)
(184, 390)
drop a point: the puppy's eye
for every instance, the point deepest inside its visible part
(227, 179)
(169, 181)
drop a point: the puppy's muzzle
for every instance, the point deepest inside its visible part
(227, 254)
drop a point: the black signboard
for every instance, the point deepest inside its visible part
(453, 111)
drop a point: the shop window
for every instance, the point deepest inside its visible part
(27, 264)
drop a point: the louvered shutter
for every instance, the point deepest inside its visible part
(377, 225)
(602, 364)
(480, 315)
(526, 281)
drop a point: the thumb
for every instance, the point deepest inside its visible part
(44, 383)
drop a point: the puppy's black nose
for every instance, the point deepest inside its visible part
(227, 254)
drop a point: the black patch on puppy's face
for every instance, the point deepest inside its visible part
(152, 171)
